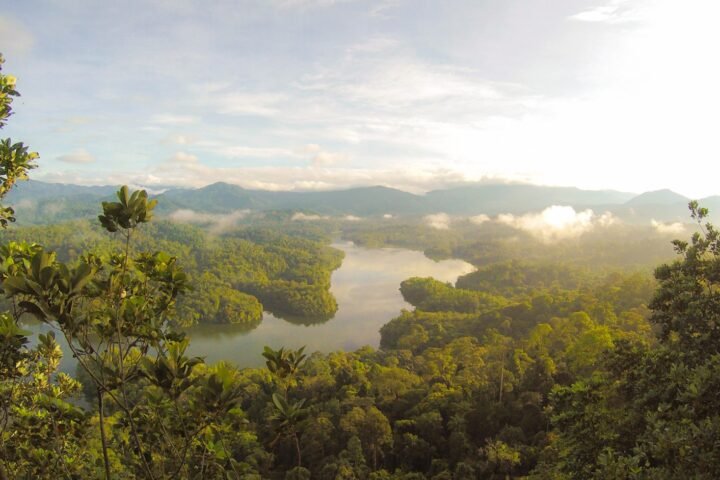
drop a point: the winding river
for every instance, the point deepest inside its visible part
(366, 287)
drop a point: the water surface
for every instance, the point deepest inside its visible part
(366, 287)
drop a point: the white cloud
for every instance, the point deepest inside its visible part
(388, 216)
(312, 153)
(479, 219)
(15, 38)
(186, 170)
(557, 222)
(80, 156)
(440, 221)
(243, 103)
(399, 82)
(374, 45)
(178, 139)
(614, 11)
(382, 6)
(606, 219)
(184, 159)
(306, 4)
(252, 152)
(351, 218)
(673, 228)
(319, 157)
(172, 119)
(217, 223)
(299, 216)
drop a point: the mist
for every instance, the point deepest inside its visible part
(217, 223)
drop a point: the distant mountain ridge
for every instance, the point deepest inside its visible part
(658, 197)
(48, 201)
(377, 200)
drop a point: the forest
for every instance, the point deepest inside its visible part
(529, 367)
(235, 277)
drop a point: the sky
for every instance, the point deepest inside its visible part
(326, 94)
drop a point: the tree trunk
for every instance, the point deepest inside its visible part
(502, 381)
(297, 449)
(106, 459)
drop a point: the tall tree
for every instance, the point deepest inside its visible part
(15, 158)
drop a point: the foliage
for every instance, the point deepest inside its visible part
(159, 413)
(653, 413)
(15, 159)
(234, 277)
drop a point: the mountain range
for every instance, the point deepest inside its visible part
(47, 202)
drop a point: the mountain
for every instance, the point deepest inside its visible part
(216, 198)
(34, 190)
(711, 203)
(665, 206)
(517, 198)
(223, 197)
(39, 202)
(657, 197)
(378, 200)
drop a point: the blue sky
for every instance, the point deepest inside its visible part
(415, 94)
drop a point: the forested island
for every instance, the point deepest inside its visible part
(564, 359)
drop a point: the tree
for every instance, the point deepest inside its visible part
(653, 413)
(686, 305)
(286, 419)
(371, 427)
(15, 159)
(284, 365)
(37, 424)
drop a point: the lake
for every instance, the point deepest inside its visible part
(366, 287)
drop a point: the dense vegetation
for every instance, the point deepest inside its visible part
(523, 369)
(235, 277)
(616, 246)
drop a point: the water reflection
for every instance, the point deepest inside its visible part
(307, 321)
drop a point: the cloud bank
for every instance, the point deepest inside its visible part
(299, 216)
(557, 222)
(79, 157)
(217, 223)
(439, 221)
(673, 228)
(479, 219)
(187, 170)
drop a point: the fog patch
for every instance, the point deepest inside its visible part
(53, 208)
(440, 221)
(661, 227)
(479, 219)
(557, 222)
(217, 223)
(149, 190)
(299, 216)
(25, 204)
(607, 219)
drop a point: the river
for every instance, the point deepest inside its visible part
(366, 287)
